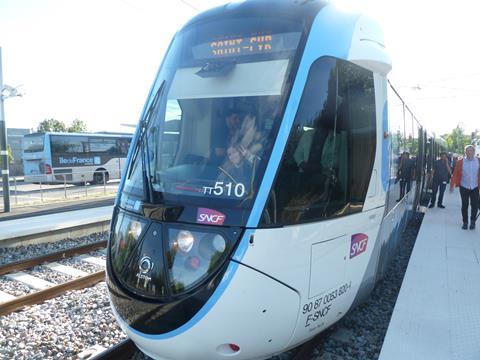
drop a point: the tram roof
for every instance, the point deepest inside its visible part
(291, 9)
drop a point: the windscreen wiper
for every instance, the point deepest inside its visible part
(143, 140)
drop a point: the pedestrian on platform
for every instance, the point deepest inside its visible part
(467, 176)
(406, 172)
(441, 174)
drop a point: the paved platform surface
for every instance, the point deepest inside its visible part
(44, 223)
(53, 208)
(437, 314)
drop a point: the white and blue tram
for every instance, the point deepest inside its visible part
(260, 203)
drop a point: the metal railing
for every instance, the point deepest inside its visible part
(62, 187)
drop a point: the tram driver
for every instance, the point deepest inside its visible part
(237, 168)
(240, 131)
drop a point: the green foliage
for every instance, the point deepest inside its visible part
(9, 156)
(77, 126)
(53, 125)
(457, 140)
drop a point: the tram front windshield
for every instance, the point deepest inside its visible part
(214, 113)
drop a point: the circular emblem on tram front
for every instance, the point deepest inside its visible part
(145, 265)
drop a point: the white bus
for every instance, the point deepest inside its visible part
(74, 157)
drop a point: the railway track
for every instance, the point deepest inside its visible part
(124, 350)
(48, 290)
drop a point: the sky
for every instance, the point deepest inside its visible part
(96, 60)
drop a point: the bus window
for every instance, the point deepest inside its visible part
(102, 146)
(68, 144)
(123, 146)
(33, 143)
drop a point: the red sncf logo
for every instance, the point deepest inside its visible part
(209, 216)
(358, 244)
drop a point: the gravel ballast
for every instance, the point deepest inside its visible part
(12, 254)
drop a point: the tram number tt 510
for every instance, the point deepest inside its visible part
(220, 188)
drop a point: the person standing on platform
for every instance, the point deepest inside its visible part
(441, 174)
(405, 173)
(467, 176)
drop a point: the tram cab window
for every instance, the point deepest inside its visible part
(328, 160)
(214, 139)
(215, 115)
(171, 133)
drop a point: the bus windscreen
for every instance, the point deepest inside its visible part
(33, 143)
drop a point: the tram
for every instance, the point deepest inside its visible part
(260, 203)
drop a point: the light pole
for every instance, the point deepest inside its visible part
(3, 146)
(5, 92)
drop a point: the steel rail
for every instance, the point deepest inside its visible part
(306, 350)
(122, 351)
(59, 255)
(51, 292)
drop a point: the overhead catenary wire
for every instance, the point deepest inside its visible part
(444, 97)
(190, 5)
(449, 88)
(452, 78)
(404, 102)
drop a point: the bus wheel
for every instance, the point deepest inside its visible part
(98, 177)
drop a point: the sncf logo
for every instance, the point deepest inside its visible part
(358, 244)
(209, 216)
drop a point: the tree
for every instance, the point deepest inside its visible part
(457, 140)
(52, 125)
(9, 156)
(77, 126)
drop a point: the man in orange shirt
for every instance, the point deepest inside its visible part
(467, 176)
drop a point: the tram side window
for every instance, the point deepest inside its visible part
(327, 164)
(398, 146)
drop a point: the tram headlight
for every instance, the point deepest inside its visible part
(185, 240)
(135, 228)
(218, 243)
(192, 256)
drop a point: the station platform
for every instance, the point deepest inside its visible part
(18, 212)
(437, 313)
(47, 225)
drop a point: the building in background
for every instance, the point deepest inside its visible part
(15, 140)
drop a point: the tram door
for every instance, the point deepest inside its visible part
(328, 165)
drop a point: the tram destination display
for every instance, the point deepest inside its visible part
(247, 46)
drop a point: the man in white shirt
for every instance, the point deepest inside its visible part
(467, 176)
